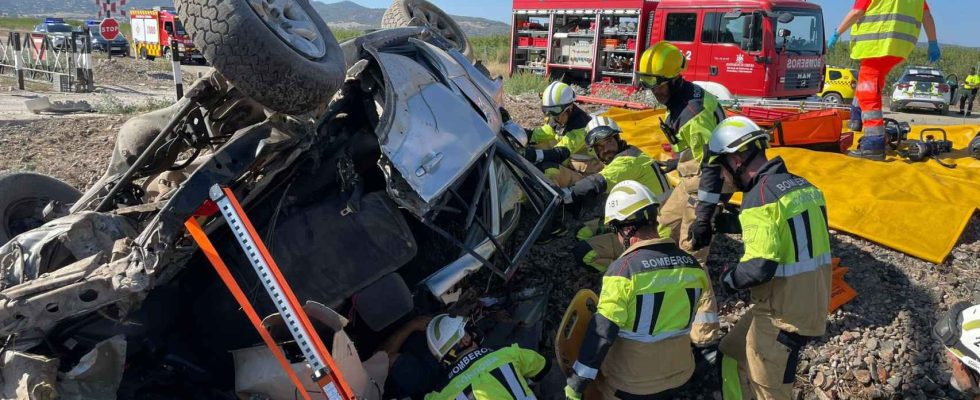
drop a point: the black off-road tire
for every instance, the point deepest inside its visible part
(250, 55)
(403, 13)
(24, 192)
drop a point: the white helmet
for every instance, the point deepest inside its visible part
(630, 201)
(599, 128)
(959, 334)
(443, 333)
(557, 94)
(732, 134)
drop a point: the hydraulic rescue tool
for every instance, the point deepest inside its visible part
(928, 146)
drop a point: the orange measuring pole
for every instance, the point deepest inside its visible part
(325, 372)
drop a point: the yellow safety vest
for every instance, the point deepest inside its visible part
(888, 28)
(972, 81)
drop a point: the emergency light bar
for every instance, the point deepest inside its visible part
(54, 20)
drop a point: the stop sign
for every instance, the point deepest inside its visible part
(109, 28)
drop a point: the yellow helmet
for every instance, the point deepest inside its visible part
(661, 62)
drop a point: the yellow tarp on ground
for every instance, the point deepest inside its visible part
(920, 208)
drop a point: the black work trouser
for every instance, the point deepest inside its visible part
(968, 96)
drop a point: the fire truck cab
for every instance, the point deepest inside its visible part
(754, 48)
(154, 29)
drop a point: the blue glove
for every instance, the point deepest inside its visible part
(832, 41)
(934, 52)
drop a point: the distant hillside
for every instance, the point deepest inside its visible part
(344, 14)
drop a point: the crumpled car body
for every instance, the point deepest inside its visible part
(407, 182)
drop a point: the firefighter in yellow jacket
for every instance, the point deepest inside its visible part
(653, 307)
(478, 373)
(692, 114)
(597, 247)
(970, 86)
(786, 265)
(558, 147)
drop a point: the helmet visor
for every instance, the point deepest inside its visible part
(648, 81)
(599, 134)
(552, 111)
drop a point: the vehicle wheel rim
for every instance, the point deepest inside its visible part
(23, 216)
(292, 24)
(431, 18)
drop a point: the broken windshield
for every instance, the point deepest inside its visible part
(805, 32)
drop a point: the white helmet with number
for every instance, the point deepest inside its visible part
(443, 333)
(733, 134)
(557, 94)
(631, 201)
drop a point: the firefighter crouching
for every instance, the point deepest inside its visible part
(558, 147)
(786, 265)
(692, 115)
(653, 306)
(477, 373)
(597, 247)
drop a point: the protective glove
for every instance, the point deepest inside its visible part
(667, 166)
(700, 234)
(727, 222)
(533, 155)
(726, 280)
(571, 394)
(934, 52)
(707, 353)
(833, 41)
(566, 195)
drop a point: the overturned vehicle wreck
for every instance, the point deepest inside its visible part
(380, 173)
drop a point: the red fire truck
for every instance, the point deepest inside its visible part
(153, 30)
(755, 48)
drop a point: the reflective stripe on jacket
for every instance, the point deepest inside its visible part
(787, 257)
(571, 136)
(653, 293)
(888, 28)
(492, 375)
(695, 113)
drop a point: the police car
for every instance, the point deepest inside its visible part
(57, 30)
(921, 87)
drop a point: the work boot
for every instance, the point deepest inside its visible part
(870, 148)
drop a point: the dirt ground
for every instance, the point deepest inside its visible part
(878, 346)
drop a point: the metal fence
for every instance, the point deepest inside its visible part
(65, 62)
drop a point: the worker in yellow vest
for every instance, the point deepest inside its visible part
(883, 35)
(970, 86)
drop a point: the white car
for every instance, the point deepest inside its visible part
(921, 87)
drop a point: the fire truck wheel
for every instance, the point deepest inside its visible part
(404, 13)
(280, 53)
(23, 196)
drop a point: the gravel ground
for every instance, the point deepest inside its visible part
(879, 346)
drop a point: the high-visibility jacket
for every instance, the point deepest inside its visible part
(654, 300)
(693, 113)
(888, 28)
(485, 374)
(971, 82)
(571, 136)
(787, 257)
(630, 164)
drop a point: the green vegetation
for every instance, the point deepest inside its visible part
(344, 35)
(524, 83)
(491, 49)
(109, 104)
(955, 60)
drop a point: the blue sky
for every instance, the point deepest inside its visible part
(955, 19)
